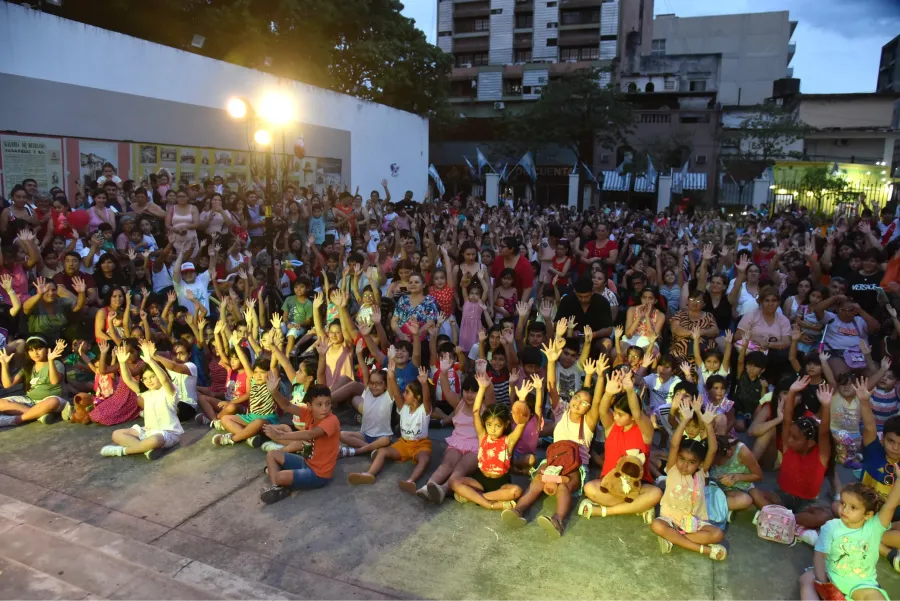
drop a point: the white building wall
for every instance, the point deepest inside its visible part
(542, 16)
(534, 78)
(490, 85)
(608, 49)
(444, 25)
(609, 18)
(501, 50)
(45, 47)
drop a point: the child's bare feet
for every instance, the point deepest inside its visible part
(408, 486)
(363, 478)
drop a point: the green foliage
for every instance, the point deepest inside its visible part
(821, 183)
(364, 48)
(765, 135)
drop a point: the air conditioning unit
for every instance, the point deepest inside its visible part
(842, 142)
(466, 66)
(571, 60)
(537, 90)
(499, 106)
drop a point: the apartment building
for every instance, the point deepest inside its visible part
(889, 67)
(756, 49)
(506, 51)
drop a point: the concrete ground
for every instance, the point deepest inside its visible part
(342, 542)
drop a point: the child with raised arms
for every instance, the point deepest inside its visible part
(683, 519)
(159, 401)
(375, 405)
(490, 486)
(414, 405)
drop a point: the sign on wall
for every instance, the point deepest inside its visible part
(92, 155)
(26, 157)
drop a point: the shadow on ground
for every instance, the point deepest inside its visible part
(203, 502)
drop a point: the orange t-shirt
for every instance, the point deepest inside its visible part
(325, 448)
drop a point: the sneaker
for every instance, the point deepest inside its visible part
(8, 420)
(358, 418)
(67, 412)
(254, 442)
(201, 419)
(271, 445)
(49, 418)
(347, 452)
(220, 440)
(217, 424)
(275, 493)
(113, 450)
(153, 454)
(893, 556)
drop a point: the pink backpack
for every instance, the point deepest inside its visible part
(775, 523)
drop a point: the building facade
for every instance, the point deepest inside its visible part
(756, 49)
(506, 51)
(889, 67)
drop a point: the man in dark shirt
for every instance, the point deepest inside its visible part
(864, 284)
(587, 309)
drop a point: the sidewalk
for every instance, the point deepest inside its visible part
(202, 502)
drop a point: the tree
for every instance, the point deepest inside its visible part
(765, 135)
(819, 182)
(364, 48)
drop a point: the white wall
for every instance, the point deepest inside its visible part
(45, 47)
(501, 48)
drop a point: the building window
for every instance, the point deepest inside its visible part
(496, 11)
(698, 85)
(482, 24)
(526, 90)
(480, 59)
(670, 84)
(524, 21)
(649, 87)
(588, 53)
(471, 60)
(701, 159)
(604, 158)
(523, 56)
(551, 42)
(444, 34)
(658, 48)
(551, 5)
(580, 17)
(512, 87)
(632, 87)
(552, 25)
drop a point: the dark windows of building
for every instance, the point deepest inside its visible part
(658, 48)
(697, 85)
(551, 42)
(649, 87)
(512, 87)
(471, 60)
(524, 21)
(587, 53)
(523, 56)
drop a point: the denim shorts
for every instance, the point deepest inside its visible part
(371, 439)
(303, 476)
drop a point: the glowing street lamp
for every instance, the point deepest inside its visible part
(237, 108)
(263, 137)
(277, 108)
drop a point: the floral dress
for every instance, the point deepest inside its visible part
(115, 402)
(425, 311)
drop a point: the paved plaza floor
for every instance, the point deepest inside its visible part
(202, 502)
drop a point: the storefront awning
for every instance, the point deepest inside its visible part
(692, 181)
(645, 184)
(616, 182)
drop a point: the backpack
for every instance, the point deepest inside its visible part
(717, 506)
(565, 456)
(775, 523)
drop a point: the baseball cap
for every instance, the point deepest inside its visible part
(187, 267)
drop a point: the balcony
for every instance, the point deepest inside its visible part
(579, 19)
(475, 9)
(564, 4)
(792, 50)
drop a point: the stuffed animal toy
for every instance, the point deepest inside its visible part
(624, 481)
(84, 403)
(520, 412)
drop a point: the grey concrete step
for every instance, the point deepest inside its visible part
(111, 565)
(18, 581)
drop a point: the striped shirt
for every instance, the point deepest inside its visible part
(885, 404)
(261, 401)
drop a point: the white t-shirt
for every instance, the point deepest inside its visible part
(374, 240)
(413, 424)
(376, 417)
(84, 252)
(746, 301)
(199, 287)
(569, 380)
(163, 279)
(160, 411)
(186, 385)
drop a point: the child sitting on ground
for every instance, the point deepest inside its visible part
(289, 471)
(490, 486)
(682, 511)
(375, 405)
(847, 549)
(159, 402)
(750, 386)
(43, 378)
(415, 412)
(736, 469)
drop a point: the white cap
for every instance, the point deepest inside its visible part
(187, 266)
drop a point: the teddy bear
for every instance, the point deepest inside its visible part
(624, 481)
(83, 402)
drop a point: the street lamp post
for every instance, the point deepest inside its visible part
(277, 111)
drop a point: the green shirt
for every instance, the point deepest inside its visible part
(42, 323)
(39, 387)
(299, 311)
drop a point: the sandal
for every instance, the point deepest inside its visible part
(362, 478)
(586, 508)
(512, 518)
(716, 552)
(407, 486)
(649, 515)
(504, 505)
(551, 525)
(664, 545)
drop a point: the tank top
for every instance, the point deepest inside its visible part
(444, 299)
(464, 438)
(801, 475)
(95, 221)
(566, 429)
(493, 456)
(261, 401)
(182, 220)
(558, 265)
(618, 441)
(721, 313)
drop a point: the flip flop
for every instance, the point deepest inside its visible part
(665, 546)
(361, 478)
(717, 552)
(586, 508)
(512, 518)
(551, 525)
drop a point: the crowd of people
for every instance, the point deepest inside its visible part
(622, 361)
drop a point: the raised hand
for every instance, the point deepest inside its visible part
(40, 285)
(522, 309)
(413, 326)
(79, 285)
(825, 392)
(695, 332)
(272, 381)
(480, 366)
(590, 367)
(392, 352)
(861, 388)
(886, 364)
(602, 364)
(57, 350)
(588, 334)
(561, 326)
(365, 328)
(318, 300)
(423, 376)
(800, 384)
(276, 321)
(618, 332)
(483, 380)
(7, 282)
(707, 414)
(322, 347)
(524, 390)
(131, 255)
(122, 354)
